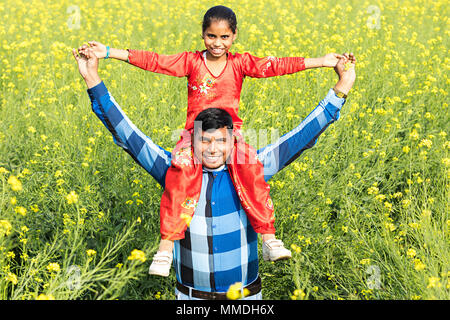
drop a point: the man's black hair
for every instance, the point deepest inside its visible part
(212, 119)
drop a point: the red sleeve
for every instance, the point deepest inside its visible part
(177, 65)
(270, 66)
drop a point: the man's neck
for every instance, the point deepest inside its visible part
(216, 169)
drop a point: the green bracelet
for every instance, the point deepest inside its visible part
(107, 52)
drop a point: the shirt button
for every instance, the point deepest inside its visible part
(213, 203)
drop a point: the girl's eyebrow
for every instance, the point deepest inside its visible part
(222, 35)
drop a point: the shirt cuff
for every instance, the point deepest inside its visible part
(98, 91)
(334, 99)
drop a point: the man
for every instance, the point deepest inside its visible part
(220, 246)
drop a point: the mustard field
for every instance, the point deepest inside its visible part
(365, 212)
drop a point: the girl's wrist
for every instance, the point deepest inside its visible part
(314, 62)
(108, 52)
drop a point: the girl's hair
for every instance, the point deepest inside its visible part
(219, 13)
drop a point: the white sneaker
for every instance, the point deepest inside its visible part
(162, 261)
(274, 250)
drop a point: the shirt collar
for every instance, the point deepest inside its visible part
(221, 168)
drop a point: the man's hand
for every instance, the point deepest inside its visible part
(87, 66)
(345, 69)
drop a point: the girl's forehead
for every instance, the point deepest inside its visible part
(219, 26)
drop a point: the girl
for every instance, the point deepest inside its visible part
(215, 78)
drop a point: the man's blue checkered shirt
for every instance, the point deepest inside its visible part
(220, 246)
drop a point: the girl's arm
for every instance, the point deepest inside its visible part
(177, 65)
(272, 66)
(329, 60)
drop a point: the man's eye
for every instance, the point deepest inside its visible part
(225, 37)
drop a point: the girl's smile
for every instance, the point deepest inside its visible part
(218, 38)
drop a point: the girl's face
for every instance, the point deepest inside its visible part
(218, 38)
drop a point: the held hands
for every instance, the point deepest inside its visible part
(345, 69)
(87, 66)
(98, 49)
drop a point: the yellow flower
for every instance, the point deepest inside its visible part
(3, 170)
(426, 142)
(299, 294)
(186, 218)
(433, 282)
(411, 253)
(419, 265)
(235, 291)
(390, 226)
(414, 134)
(5, 228)
(16, 185)
(45, 297)
(72, 197)
(11, 277)
(53, 267)
(137, 255)
(21, 210)
(91, 252)
(296, 248)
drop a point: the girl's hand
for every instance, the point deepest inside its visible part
(331, 59)
(96, 48)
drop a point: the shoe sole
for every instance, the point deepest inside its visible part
(154, 273)
(266, 258)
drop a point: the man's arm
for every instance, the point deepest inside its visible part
(141, 148)
(278, 155)
(290, 146)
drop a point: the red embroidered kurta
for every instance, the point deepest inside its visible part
(205, 90)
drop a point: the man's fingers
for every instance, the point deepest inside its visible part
(75, 54)
(89, 53)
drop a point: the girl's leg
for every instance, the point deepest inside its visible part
(178, 202)
(253, 191)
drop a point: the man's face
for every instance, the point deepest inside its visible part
(213, 147)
